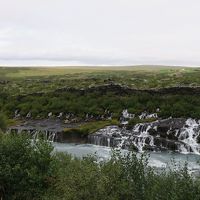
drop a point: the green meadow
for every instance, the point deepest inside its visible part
(27, 80)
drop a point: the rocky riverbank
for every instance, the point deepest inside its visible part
(50, 129)
(174, 134)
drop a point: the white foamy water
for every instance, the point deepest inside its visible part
(183, 137)
(189, 135)
(157, 159)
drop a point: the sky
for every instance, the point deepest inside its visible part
(100, 32)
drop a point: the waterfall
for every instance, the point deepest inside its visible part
(189, 135)
(108, 141)
(51, 136)
(176, 134)
(109, 136)
(140, 140)
(36, 134)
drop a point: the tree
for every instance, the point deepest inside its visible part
(25, 168)
(3, 122)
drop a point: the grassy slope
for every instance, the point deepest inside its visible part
(30, 80)
(48, 71)
(90, 127)
(13, 72)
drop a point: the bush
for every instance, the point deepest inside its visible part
(123, 177)
(26, 169)
(3, 122)
(96, 102)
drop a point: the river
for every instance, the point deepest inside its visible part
(156, 159)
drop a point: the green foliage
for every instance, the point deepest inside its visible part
(134, 121)
(123, 177)
(3, 122)
(90, 127)
(30, 171)
(30, 80)
(37, 90)
(26, 169)
(96, 103)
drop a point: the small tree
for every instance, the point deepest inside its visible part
(3, 122)
(25, 168)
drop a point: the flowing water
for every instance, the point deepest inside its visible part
(159, 138)
(157, 159)
(178, 135)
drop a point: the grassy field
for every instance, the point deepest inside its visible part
(20, 72)
(30, 80)
(15, 82)
(90, 127)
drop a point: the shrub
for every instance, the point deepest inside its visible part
(30, 171)
(3, 122)
(26, 169)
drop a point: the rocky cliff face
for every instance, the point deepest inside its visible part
(121, 90)
(174, 134)
(49, 129)
(177, 134)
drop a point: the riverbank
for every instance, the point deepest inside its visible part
(159, 160)
(173, 134)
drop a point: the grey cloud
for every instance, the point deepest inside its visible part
(100, 32)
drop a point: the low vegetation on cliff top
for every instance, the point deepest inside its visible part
(90, 127)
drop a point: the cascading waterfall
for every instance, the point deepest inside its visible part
(189, 136)
(50, 136)
(175, 134)
(141, 136)
(107, 136)
(108, 140)
(36, 134)
(170, 134)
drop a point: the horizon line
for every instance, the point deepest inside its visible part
(94, 66)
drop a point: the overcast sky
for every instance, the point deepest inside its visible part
(99, 32)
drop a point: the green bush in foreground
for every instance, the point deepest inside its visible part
(31, 171)
(25, 168)
(3, 122)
